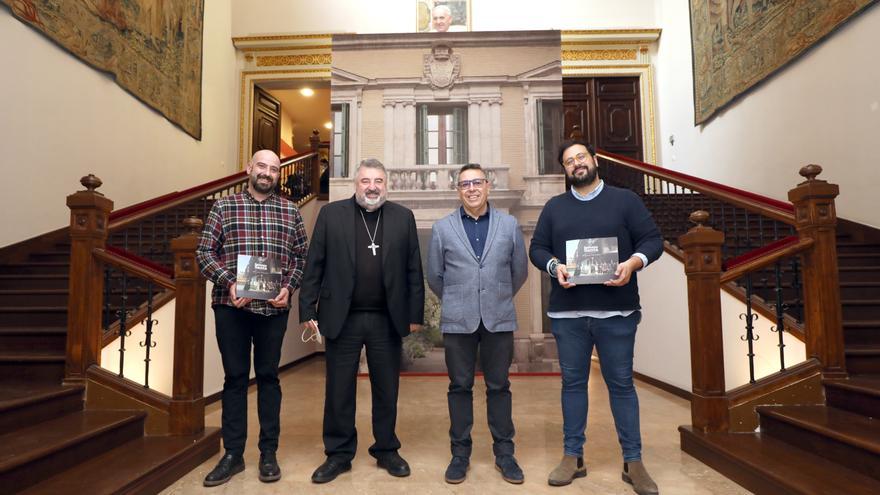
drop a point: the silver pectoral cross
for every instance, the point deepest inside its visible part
(373, 246)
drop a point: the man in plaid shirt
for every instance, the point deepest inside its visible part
(256, 222)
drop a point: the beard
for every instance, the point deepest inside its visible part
(370, 204)
(255, 183)
(583, 180)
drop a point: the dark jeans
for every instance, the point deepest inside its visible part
(237, 329)
(370, 329)
(496, 354)
(614, 339)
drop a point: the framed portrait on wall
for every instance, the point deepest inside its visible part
(440, 16)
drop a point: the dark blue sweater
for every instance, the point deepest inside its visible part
(615, 212)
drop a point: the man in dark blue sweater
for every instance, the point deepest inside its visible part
(604, 315)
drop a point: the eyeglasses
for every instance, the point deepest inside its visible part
(466, 184)
(579, 157)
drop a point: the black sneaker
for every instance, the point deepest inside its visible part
(457, 470)
(269, 469)
(510, 470)
(229, 466)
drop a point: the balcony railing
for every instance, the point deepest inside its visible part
(440, 177)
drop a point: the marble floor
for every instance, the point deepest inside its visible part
(423, 430)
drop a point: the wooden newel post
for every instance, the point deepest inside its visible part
(187, 403)
(315, 142)
(702, 264)
(815, 219)
(89, 212)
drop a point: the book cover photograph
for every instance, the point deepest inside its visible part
(591, 261)
(258, 277)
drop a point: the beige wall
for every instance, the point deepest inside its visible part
(824, 108)
(61, 119)
(476, 62)
(407, 62)
(399, 16)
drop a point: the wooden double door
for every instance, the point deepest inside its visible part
(607, 110)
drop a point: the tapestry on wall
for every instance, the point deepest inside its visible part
(738, 43)
(152, 47)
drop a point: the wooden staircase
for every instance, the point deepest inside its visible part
(67, 425)
(813, 428)
(53, 442)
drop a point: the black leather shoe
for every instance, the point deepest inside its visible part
(394, 464)
(229, 466)
(269, 469)
(510, 470)
(457, 470)
(330, 470)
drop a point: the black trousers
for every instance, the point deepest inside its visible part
(373, 330)
(496, 354)
(237, 330)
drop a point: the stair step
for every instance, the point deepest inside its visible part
(35, 453)
(36, 267)
(34, 281)
(769, 466)
(33, 316)
(860, 273)
(862, 358)
(860, 290)
(143, 465)
(24, 404)
(857, 247)
(33, 297)
(37, 367)
(40, 339)
(832, 433)
(858, 394)
(868, 258)
(860, 309)
(51, 255)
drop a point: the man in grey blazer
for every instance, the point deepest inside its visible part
(476, 263)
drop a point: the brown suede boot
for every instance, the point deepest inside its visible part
(569, 468)
(635, 474)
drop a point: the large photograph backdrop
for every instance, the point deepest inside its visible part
(153, 48)
(427, 103)
(738, 43)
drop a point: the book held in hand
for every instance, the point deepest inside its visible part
(258, 277)
(591, 261)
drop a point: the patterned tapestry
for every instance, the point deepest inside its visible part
(738, 43)
(153, 48)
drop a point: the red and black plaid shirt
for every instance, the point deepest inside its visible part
(239, 224)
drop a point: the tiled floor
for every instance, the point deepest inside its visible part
(423, 430)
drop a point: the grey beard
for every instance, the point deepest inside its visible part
(365, 203)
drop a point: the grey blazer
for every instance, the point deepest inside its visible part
(472, 290)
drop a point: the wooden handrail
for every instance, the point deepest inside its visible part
(134, 213)
(765, 260)
(769, 207)
(134, 268)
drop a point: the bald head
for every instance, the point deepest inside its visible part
(264, 169)
(266, 156)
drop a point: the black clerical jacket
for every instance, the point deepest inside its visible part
(328, 283)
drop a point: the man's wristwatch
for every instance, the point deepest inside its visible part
(552, 267)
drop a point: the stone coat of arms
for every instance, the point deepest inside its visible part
(442, 67)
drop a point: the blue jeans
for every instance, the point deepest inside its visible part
(614, 339)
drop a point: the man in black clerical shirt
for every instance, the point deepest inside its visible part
(362, 288)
